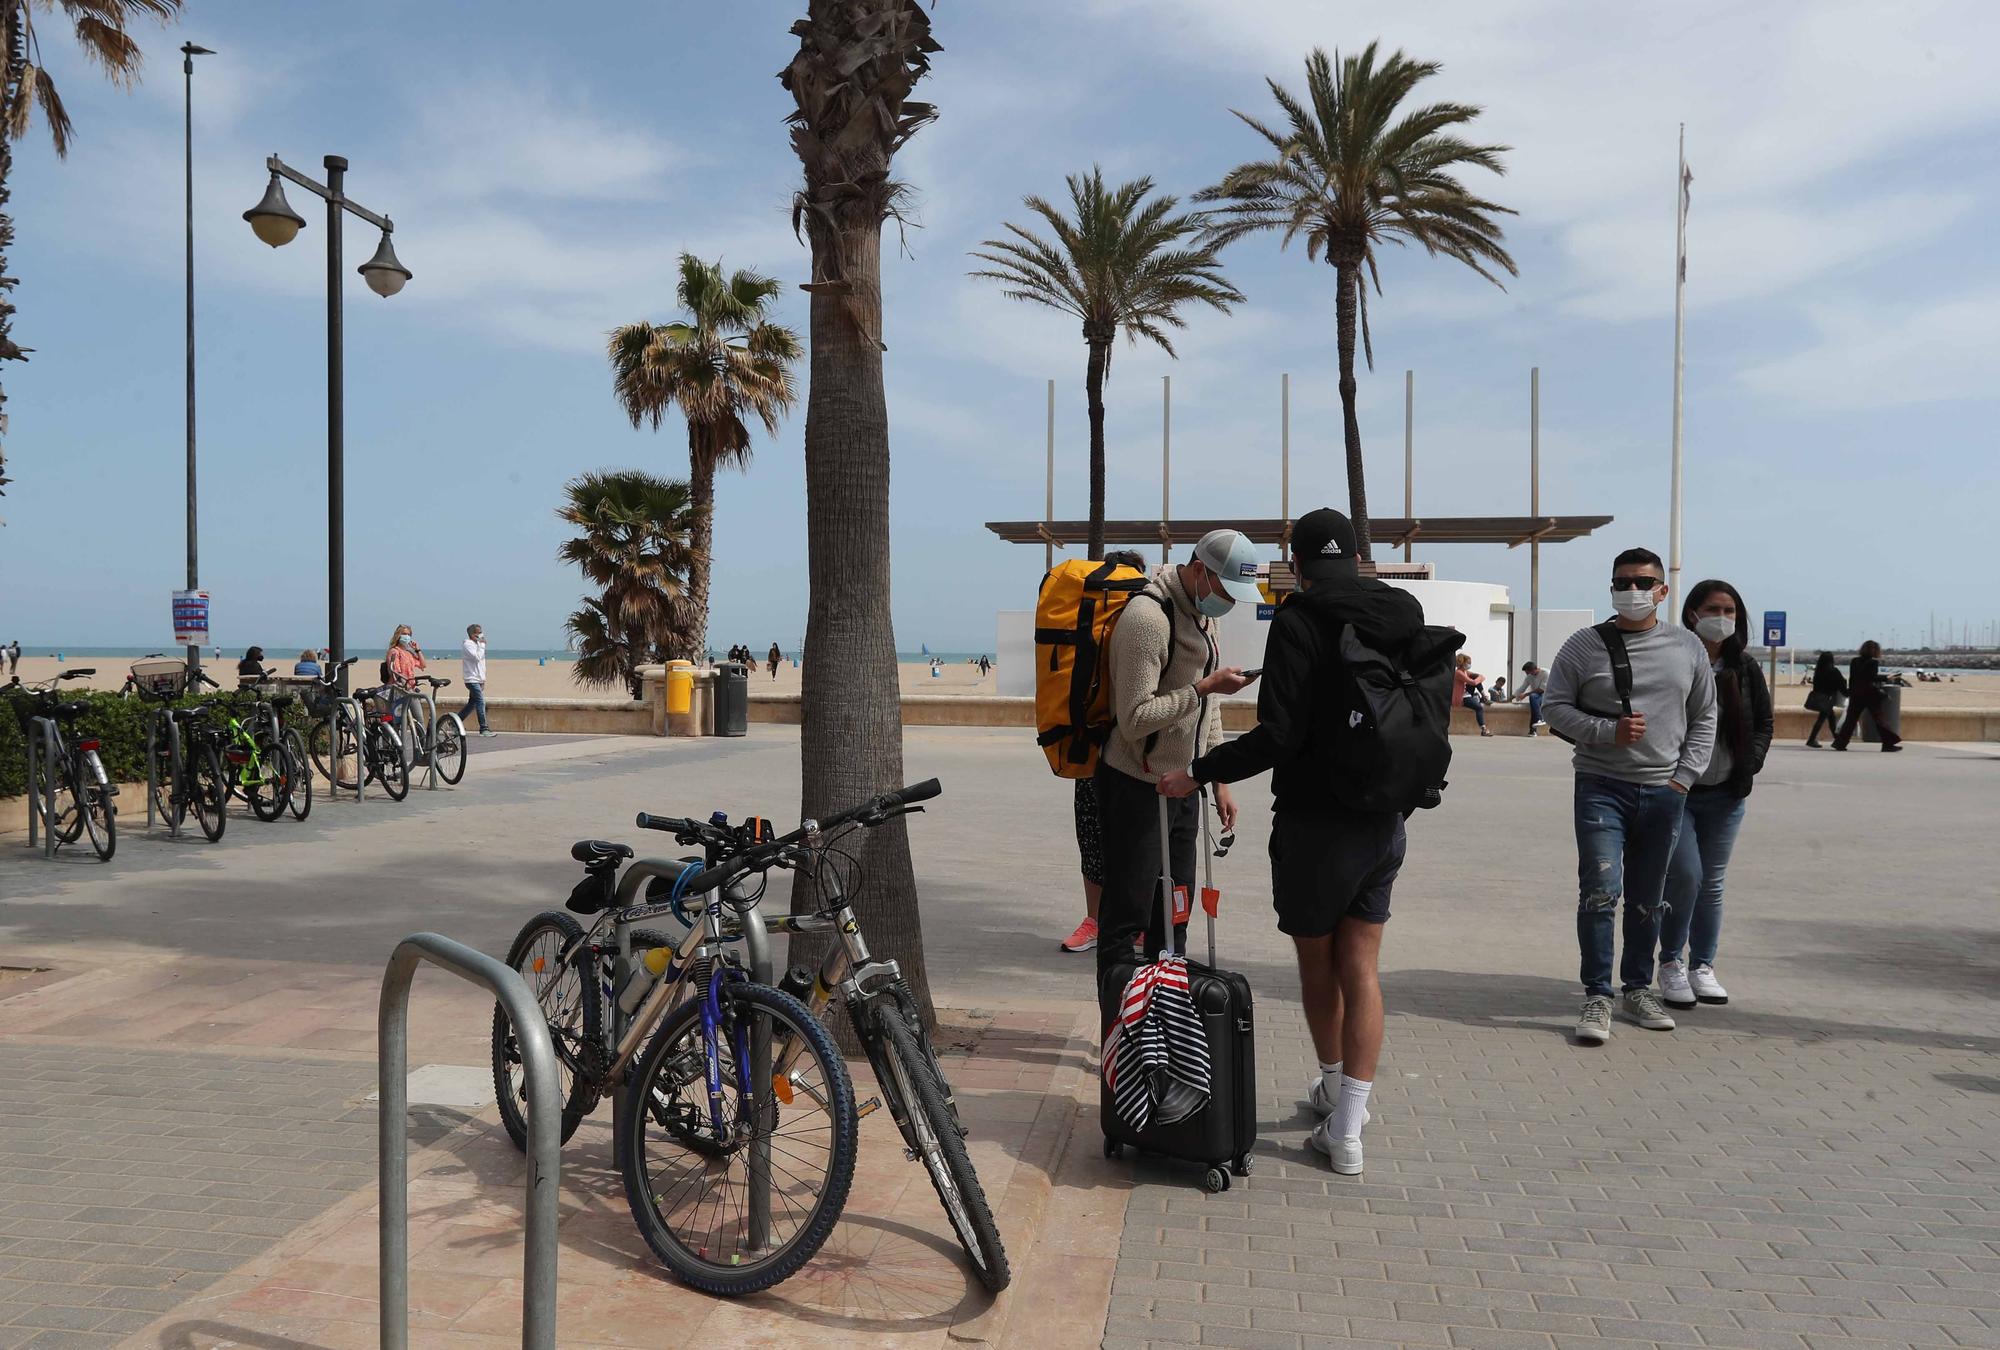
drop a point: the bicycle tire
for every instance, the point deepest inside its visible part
(264, 777)
(930, 1127)
(299, 776)
(99, 810)
(733, 1278)
(329, 751)
(207, 789)
(169, 801)
(579, 1093)
(448, 748)
(386, 764)
(65, 822)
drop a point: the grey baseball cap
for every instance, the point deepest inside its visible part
(1231, 556)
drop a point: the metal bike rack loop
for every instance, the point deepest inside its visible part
(162, 717)
(538, 1058)
(43, 746)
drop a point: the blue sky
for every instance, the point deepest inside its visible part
(545, 170)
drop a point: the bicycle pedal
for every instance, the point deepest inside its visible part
(867, 1109)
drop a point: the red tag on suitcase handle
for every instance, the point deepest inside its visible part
(1181, 906)
(1211, 900)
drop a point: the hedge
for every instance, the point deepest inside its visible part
(119, 723)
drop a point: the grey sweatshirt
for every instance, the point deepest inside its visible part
(1152, 688)
(1671, 684)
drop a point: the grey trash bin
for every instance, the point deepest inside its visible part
(732, 699)
(1892, 709)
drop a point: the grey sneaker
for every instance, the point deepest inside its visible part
(1644, 1007)
(1593, 1025)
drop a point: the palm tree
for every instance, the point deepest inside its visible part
(634, 544)
(857, 62)
(723, 361)
(100, 29)
(1349, 174)
(1114, 265)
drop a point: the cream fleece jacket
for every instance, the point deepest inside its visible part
(1152, 690)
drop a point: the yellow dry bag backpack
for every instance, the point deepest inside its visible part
(1079, 604)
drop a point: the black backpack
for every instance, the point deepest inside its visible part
(1392, 721)
(1613, 638)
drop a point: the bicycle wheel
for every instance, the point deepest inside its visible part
(169, 802)
(930, 1127)
(55, 786)
(568, 995)
(100, 814)
(263, 775)
(689, 1177)
(385, 761)
(298, 776)
(448, 750)
(331, 743)
(206, 788)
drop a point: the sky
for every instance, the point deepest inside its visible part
(546, 168)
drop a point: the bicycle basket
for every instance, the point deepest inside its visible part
(160, 678)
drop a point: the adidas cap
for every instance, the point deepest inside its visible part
(1323, 546)
(1231, 556)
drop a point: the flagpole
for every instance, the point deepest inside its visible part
(1680, 372)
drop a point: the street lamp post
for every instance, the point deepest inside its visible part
(274, 222)
(189, 51)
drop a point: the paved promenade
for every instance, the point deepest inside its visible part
(185, 1130)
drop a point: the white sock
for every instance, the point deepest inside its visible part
(1350, 1110)
(1329, 1075)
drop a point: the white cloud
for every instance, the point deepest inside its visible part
(1884, 357)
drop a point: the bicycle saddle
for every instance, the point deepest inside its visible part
(434, 682)
(188, 714)
(64, 712)
(593, 852)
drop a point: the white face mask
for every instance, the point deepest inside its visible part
(1715, 628)
(1633, 604)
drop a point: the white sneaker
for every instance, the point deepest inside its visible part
(1643, 1006)
(1706, 987)
(1345, 1154)
(1674, 988)
(1318, 1097)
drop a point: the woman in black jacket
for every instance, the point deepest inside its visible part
(1829, 687)
(1864, 695)
(1691, 926)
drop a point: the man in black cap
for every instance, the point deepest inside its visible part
(1331, 866)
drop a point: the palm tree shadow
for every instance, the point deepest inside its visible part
(181, 1336)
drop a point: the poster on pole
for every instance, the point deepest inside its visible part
(191, 618)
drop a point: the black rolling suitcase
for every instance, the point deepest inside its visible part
(1220, 1134)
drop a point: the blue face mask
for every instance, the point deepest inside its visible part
(1215, 604)
(406, 640)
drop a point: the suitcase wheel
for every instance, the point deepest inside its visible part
(1241, 1167)
(1113, 1149)
(1215, 1181)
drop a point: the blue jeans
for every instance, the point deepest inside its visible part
(475, 702)
(1693, 916)
(1473, 701)
(1625, 834)
(1534, 709)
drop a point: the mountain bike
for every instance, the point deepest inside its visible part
(193, 778)
(440, 743)
(255, 762)
(71, 779)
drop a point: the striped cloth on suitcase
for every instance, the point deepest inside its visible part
(1156, 1054)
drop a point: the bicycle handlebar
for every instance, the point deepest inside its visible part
(757, 857)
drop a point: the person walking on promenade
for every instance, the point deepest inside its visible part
(402, 662)
(1465, 684)
(1533, 687)
(1829, 687)
(1643, 736)
(307, 665)
(1864, 695)
(472, 668)
(1691, 923)
(14, 656)
(1332, 867)
(773, 659)
(1164, 668)
(1083, 809)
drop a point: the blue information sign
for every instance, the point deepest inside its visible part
(1774, 628)
(1266, 611)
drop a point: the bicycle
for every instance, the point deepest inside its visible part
(193, 777)
(256, 763)
(71, 779)
(438, 740)
(886, 1024)
(765, 1216)
(336, 738)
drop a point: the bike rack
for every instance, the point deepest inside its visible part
(429, 696)
(338, 706)
(43, 745)
(538, 1058)
(159, 716)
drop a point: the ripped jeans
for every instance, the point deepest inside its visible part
(1625, 835)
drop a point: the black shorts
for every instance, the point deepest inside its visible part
(1089, 832)
(1325, 868)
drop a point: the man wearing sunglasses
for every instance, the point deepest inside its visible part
(1641, 742)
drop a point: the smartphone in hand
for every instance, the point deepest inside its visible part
(1253, 672)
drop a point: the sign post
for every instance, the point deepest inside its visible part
(191, 618)
(1774, 638)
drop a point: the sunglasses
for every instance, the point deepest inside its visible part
(1635, 583)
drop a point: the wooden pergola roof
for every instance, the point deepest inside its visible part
(1388, 531)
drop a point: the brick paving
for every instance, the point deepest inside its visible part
(1747, 1182)
(130, 1179)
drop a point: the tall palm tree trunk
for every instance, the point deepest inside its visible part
(851, 705)
(16, 60)
(1093, 386)
(1348, 306)
(701, 537)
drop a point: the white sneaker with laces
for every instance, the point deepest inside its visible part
(1319, 1098)
(1674, 990)
(1706, 987)
(1345, 1154)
